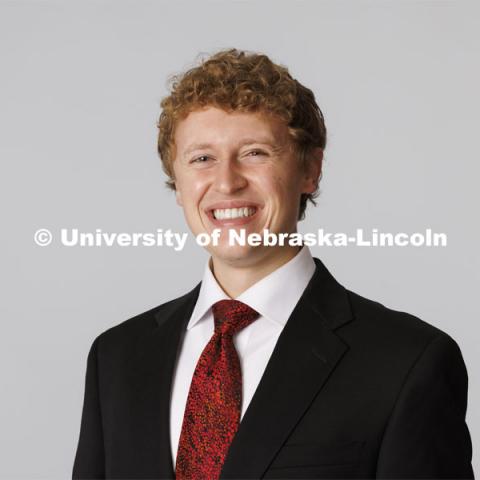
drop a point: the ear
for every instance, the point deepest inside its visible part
(178, 198)
(313, 170)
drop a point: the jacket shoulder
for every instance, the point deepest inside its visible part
(144, 322)
(393, 326)
(397, 341)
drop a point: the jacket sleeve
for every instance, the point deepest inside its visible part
(426, 436)
(89, 460)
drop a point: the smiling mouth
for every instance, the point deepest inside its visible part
(232, 213)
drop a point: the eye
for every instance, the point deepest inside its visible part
(256, 153)
(200, 159)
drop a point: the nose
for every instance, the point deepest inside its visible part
(229, 177)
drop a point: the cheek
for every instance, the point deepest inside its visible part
(282, 190)
(270, 181)
(191, 189)
(280, 186)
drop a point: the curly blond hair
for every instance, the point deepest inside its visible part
(235, 80)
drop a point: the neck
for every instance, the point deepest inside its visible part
(235, 278)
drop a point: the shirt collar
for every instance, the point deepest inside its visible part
(210, 293)
(274, 296)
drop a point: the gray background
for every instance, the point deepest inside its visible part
(80, 89)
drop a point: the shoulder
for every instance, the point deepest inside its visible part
(365, 323)
(378, 315)
(381, 328)
(401, 351)
(143, 323)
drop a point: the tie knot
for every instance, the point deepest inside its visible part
(231, 316)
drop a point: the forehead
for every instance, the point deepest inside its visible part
(215, 126)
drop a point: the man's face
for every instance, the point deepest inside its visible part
(238, 170)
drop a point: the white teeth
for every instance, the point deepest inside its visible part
(230, 213)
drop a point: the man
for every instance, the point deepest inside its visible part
(268, 368)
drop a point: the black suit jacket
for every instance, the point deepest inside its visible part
(352, 390)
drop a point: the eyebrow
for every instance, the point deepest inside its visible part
(242, 143)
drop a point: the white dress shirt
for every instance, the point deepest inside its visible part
(274, 297)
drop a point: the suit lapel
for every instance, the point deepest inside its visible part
(152, 373)
(306, 353)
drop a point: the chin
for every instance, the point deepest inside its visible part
(235, 255)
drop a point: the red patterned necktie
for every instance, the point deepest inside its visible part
(212, 413)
